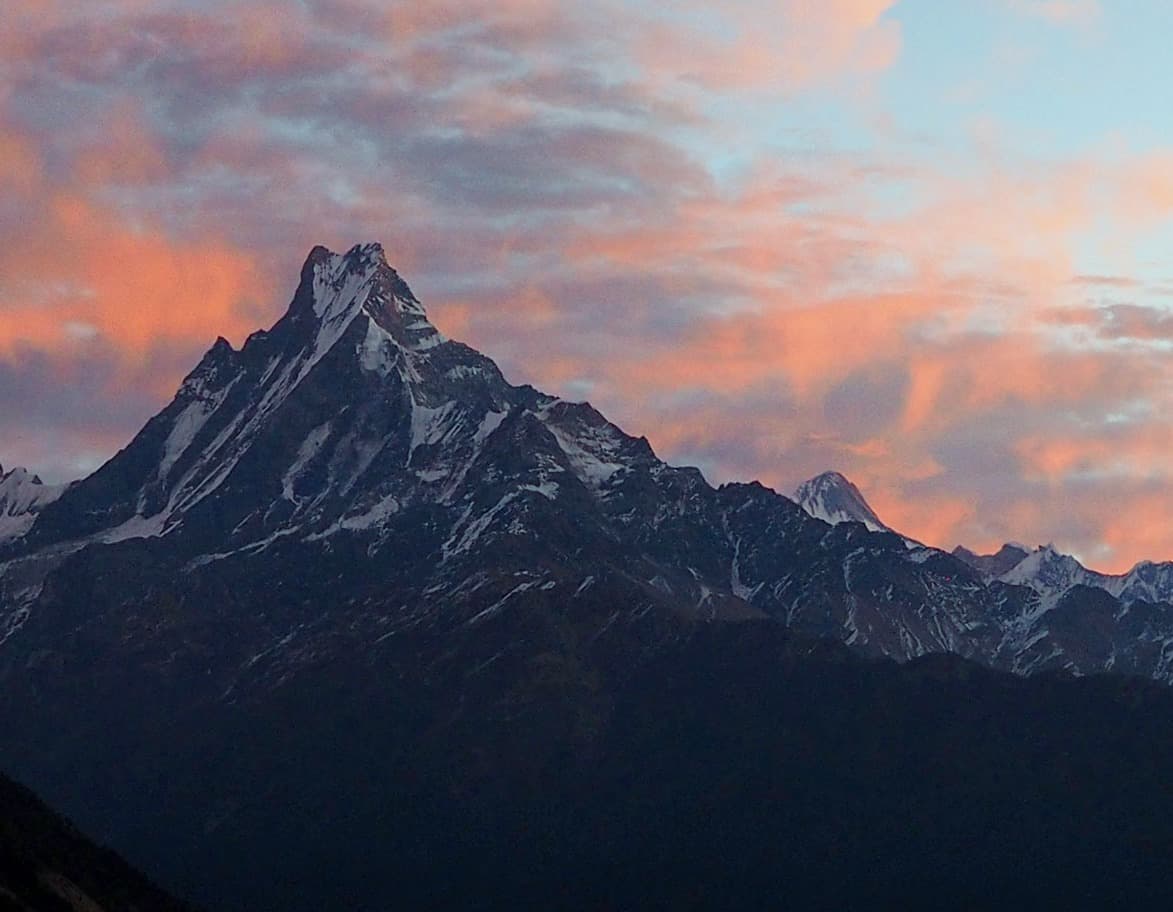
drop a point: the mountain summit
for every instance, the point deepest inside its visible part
(22, 496)
(304, 428)
(832, 498)
(1009, 556)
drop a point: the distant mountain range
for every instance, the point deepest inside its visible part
(832, 498)
(1053, 574)
(351, 546)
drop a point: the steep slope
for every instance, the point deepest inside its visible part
(48, 866)
(1148, 581)
(832, 498)
(302, 427)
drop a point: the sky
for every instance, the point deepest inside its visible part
(927, 243)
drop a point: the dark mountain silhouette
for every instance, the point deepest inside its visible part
(46, 865)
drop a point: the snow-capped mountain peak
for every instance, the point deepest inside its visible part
(349, 410)
(1052, 573)
(833, 498)
(1147, 581)
(336, 289)
(22, 496)
(364, 265)
(1049, 572)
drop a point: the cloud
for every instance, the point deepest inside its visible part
(66, 414)
(788, 45)
(131, 285)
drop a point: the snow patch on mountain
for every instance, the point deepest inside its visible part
(1146, 582)
(489, 423)
(378, 352)
(189, 423)
(1050, 573)
(430, 426)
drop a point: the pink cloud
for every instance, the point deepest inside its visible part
(76, 268)
(778, 47)
(135, 287)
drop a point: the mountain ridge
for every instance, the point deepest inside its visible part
(835, 499)
(1052, 573)
(353, 423)
(351, 575)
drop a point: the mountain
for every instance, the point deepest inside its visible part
(832, 498)
(1052, 574)
(22, 496)
(46, 865)
(352, 579)
(991, 566)
(352, 433)
(352, 427)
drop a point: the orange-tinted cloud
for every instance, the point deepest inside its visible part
(135, 287)
(76, 268)
(20, 166)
